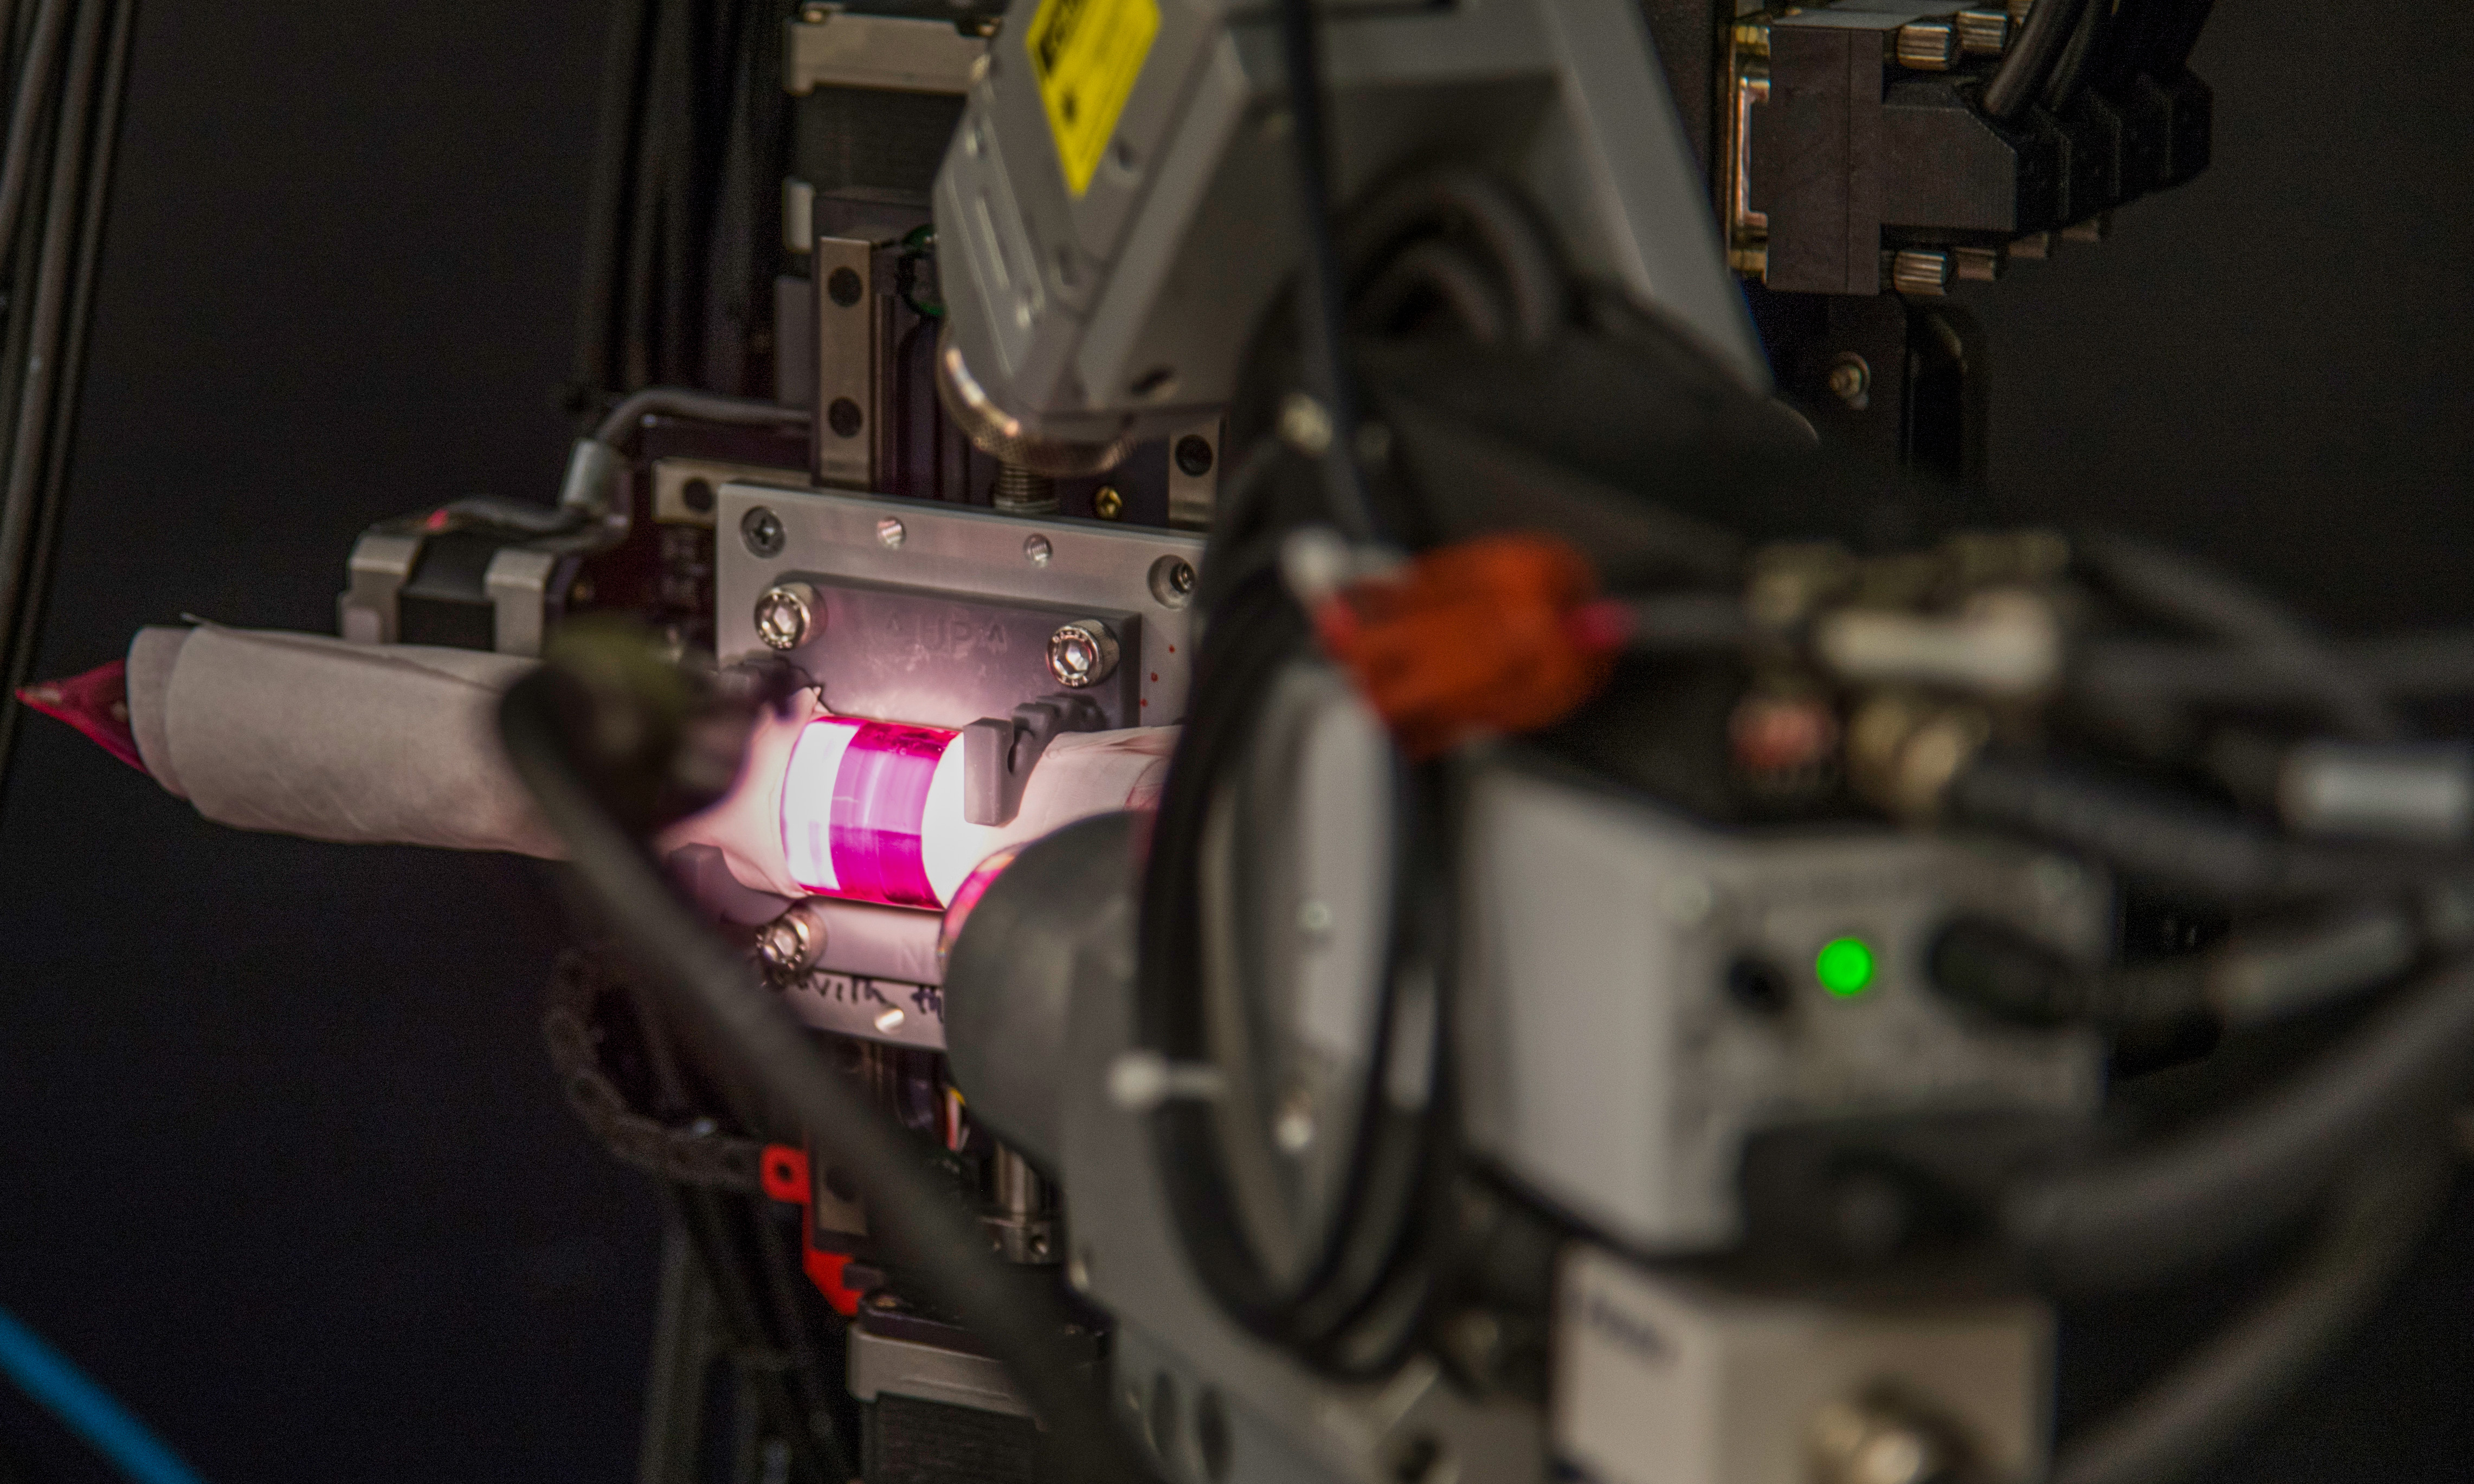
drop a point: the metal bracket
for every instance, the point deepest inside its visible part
(998, 755)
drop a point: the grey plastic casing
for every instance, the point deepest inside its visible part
(1124, 310)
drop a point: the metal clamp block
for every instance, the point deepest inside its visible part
(998, 755)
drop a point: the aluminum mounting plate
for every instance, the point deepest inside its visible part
(971, 554)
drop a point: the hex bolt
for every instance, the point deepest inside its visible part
(1082, 653)
(890, 533)
(790, 944)
(1037, 551)
(1106, 503)
(762, 529)
(1850, 380)
(785, 614)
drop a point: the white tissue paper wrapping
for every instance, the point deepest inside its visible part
(306, 735)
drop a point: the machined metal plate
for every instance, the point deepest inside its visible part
(881, 1365)
(835, 48)
(972, 556)
(676, 499)
(908, 653)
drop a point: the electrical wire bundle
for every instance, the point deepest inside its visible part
(682, 248)
(2066, 47)
(66, 65)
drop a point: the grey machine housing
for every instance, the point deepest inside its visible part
(1122, 312)
(1605, 1069)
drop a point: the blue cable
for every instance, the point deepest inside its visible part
(51, 1379)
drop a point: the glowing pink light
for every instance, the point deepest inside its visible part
(872, 811)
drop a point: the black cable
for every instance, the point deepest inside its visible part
(681, 1152)
(1457, 200)
(40, 322)
(1333, 1313)
(608, 203)
(1322, 308)
(2436, 663)
(1685, 623)
(921, 1221)
(709, 1218)
(2184, 592)
(2231, 1382)
(35, 82)
(2232, 1179)
(620, 426)
(60, 440)
(2070, 72)
(2169, 841)
(38, 410)
(2029, 61)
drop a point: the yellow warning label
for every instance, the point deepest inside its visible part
(1086, 54)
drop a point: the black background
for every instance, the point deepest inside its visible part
(281, 1159)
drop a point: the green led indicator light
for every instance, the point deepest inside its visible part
(1844, 966)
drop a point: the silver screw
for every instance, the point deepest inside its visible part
(1082, 653)
(1037, 550)
(785, 614)
(762, 529)
(890, 532)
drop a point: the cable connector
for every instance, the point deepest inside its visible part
(1501, 634)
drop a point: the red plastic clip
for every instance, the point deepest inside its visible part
(783, 1172)
(1498, 634)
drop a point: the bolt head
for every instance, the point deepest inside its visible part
(1108, 504)
(786, 614)
(762, 529)
(1037, 550)
(890, 532)
(787, 944)
(1082, 653)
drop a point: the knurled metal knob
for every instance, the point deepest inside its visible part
(1082, 653)
(1923, 271)
(1983, 32)
(1927, 46)
(786, 614)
